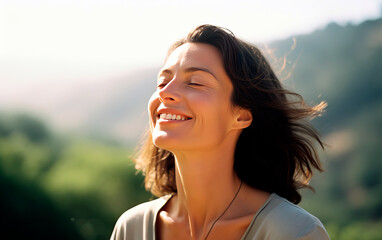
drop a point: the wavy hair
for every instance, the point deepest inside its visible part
(277, 152)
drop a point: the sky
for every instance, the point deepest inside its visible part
(85, 40)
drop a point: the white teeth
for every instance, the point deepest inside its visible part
(169, 116)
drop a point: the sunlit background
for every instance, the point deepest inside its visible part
(75, 77)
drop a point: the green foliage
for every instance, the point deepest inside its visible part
(32, 128)
(355, 231)
(28, 212)
(54, 188)
(96, 182)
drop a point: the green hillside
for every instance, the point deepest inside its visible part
(342, 65)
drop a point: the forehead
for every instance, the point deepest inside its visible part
(195, 54)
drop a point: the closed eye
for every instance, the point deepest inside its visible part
(195, 84)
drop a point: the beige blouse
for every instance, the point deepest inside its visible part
(277, 219)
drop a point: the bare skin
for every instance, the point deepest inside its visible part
(193, 84)
(172, 224)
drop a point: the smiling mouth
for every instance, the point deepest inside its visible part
(169, 116)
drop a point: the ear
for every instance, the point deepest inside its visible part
(243, 118)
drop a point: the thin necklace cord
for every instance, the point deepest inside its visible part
(229, 205)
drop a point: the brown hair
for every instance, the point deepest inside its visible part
(276, 153)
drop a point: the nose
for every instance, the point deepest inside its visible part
(170, 92)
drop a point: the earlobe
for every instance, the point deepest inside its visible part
(244, 118)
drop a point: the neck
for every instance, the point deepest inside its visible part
(206, 184)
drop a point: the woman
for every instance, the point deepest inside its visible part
(227, 150)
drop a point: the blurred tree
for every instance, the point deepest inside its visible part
(74, 186)
(27, 212)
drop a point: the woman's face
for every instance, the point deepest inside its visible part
(191, 108)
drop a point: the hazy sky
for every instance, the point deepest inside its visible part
(48, 40)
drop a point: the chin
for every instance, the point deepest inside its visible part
(164, 141)
(171, 143)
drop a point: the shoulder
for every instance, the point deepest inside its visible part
(281, 219)
(138, 221)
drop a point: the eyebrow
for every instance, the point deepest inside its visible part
(196, 69)
(190, 70)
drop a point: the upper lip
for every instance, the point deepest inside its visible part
(171, 111)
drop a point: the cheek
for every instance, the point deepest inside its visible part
(214, 114)
(152, 106)
(214, 107)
